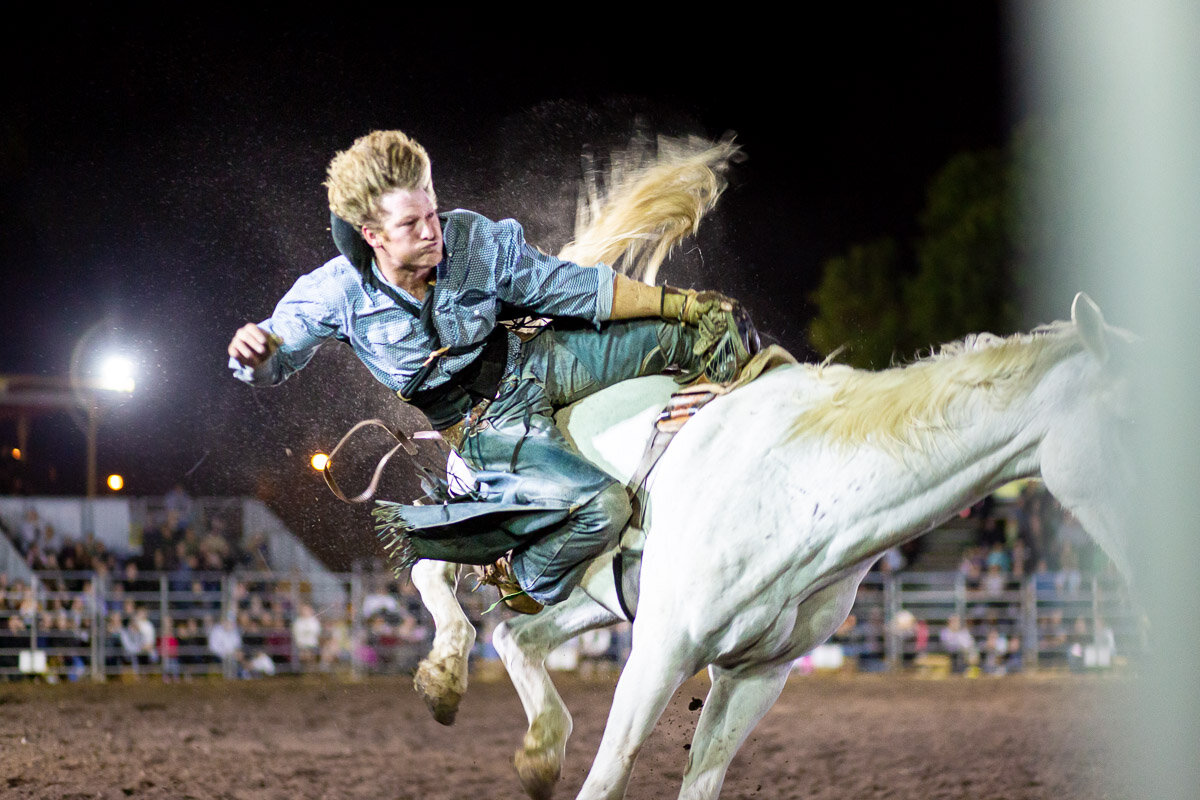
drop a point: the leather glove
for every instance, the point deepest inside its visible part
(691, 307)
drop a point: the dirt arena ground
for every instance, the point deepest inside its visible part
(843, 736)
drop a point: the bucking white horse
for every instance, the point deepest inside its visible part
(768, 509)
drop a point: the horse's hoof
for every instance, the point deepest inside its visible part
(442, 701)
(539, 773)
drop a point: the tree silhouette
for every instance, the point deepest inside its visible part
(964, 273)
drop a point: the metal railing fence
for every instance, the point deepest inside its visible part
(1039, 622)
(71, 626)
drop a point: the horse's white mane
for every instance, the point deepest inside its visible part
(651, 199)
(895, 407)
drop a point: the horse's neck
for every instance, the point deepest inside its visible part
(902, 489)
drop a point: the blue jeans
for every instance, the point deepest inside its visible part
(560, 366)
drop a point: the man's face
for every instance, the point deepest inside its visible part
(409, 236)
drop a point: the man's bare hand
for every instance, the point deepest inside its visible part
(251, 345)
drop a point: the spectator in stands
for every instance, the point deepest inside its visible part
(58, 638)
(1070, 577)
(994, 582)
(72, 558)
(338, 649)
(168, 651)
(216, 553)
(192, 645)
(204, 597)
(277, 637)
(253, 636)
(83, 605)
(1020, 557)
(411, 629)
(380, 601)
(225, 642)
(958, 642)
(994, 652)
(14, 637)
(134, 583)
(254, 555)
(255, 609)
(113, 644)
(27, 606)
(1014, 661)
(190, 544)
(50, 541)
(178, 506)
(998, 556)
(30, 533)
(306, 635)
(971, 567)
(41, 560)
(137, 639)
(183, 567)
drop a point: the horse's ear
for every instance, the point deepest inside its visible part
(1090, 323)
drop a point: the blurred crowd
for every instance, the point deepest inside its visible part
(1029, 543)
(199, 598)
(178, 541)
(241, 625)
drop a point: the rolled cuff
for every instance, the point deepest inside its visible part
(264, 374)
(604, 293)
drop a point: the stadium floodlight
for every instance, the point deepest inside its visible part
(116, 374)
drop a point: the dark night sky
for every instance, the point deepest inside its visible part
(166, 177)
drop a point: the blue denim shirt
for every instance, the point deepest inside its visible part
(486, 264)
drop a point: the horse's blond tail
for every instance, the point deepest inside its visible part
(649, 204)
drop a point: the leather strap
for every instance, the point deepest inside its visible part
(402, 443)
(682, 406)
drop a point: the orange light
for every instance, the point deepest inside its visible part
(319, 461)
(16, 453)
(116, 482)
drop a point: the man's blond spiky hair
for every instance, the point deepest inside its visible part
(378, 163)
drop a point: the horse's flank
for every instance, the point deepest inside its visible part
(899, 407)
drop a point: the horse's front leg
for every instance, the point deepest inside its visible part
(523, 644)
(441, 677)
(739, 698)
(659, 663)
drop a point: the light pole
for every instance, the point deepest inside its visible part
(25, 396)
(96, 382)
(114, 378)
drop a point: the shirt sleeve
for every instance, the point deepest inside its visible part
(531, 279)
(307, 316)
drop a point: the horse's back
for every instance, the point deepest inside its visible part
(612, 426)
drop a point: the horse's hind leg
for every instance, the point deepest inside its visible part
(523, 643)
(441, 677)
(735, 704)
